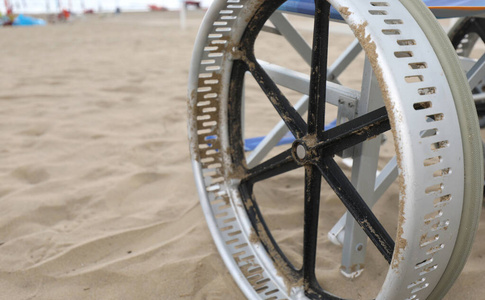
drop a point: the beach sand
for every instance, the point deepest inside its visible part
(97, 197)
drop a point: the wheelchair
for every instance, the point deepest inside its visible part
(331, 172)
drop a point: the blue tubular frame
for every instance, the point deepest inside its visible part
(440, 8)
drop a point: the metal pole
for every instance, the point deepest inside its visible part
(183, 14)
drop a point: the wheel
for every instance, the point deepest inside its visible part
(467, 36)
(465, 33)
(411, 90)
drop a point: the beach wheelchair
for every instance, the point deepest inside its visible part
(286, 125)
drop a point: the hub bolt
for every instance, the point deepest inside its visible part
(300, 151)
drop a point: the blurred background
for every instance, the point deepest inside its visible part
(78, 6)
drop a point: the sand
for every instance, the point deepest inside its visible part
(97, 199)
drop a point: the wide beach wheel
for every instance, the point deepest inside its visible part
(411, 90)
(468, 35)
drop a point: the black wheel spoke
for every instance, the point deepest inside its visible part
(287, 112)
(478, 27)
(355, 131)
(274, 166)
(313, 179)
(356, 206)
(316, 121)
(480, 106)
(318, 76)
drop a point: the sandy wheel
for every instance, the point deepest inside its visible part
(411, 89)
(465, 33)
(468, 38)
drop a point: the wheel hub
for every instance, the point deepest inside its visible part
(302, 151)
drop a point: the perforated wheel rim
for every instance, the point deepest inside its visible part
(463, 37)
(424, 244)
